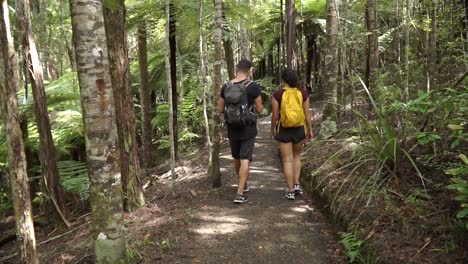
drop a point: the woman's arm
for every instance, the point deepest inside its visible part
(274, 116)
(308, 115)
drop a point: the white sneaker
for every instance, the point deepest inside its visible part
(298, 189)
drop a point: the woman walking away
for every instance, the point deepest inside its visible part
(291, 124)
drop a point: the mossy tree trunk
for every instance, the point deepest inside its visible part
(16, 156)
(245, 45)
(331, 62)
(114, 20)
(103, 155)
(214, 166)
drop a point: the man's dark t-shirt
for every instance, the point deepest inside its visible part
(235, 133)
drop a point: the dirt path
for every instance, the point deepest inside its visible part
(268, 229)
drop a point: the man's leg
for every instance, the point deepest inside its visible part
(246, 153)
(297, 150)
(243, 174)
(237, 165)
(286, 150)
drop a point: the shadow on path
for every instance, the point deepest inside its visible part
(269, 228)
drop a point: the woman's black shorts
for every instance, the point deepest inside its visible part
(291, 134)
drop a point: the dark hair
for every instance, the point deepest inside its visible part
(244, 65)
(290, 77)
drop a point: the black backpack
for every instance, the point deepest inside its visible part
(236, 109)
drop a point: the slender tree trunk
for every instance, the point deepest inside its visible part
(433, 47)
(114, 21)
(228, 52)
(291, 57)
(278, 43)
(407, 49)
(331, 62)
(16, 156)
(203, 73)
(372, 64)
(47, 154)
(173, 63)
(100, 128)
(245, 33)
(70, 48)
(310, 58)
(214, 167)
(145, 96)
(170, 89)
(282, 38)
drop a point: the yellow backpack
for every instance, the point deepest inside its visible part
(292, 112)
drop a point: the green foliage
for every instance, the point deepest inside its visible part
(425, 138)
(315, 8)
(160, 121)
(460, 185)
(3, 148)
(354, 248)
(74, 178)
(134, 250)
(64, 106)
(445, 110)
(40, 198)
(6, 204)
(328, 128)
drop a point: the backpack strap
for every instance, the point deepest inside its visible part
(247, 83)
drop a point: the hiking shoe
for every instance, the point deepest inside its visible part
(240, 199)
(290, 196)
(246, 188)
(298, 189)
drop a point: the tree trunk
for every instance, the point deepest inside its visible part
(214, 167)
(173, 63)
(433, 47)
(47, 154)
(282, 38)
(291, 56)
(310, 41)
(114, 20)
(100, 128)
(145, 96)
(203, 73)
(170, 88)
(372, 64)
(245, 34)
(16, 155)
(331, 62)
(228, 52)
(407, 49)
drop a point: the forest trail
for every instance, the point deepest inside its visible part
(268, 229)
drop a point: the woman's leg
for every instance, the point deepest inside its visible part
(297, 150)
(286, 150)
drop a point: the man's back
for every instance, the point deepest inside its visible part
(253, 90)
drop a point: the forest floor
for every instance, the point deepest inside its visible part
(197, 224)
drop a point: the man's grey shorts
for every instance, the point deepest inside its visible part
(242, 149)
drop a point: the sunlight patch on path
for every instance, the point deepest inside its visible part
(212, 223)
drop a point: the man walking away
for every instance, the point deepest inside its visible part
(239, 100)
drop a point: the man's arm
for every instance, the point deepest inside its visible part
(259, 104)
(221, 105)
